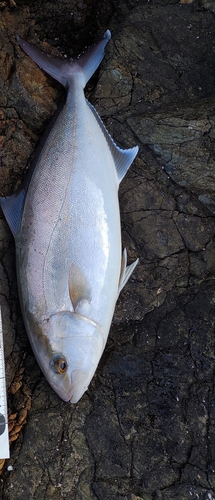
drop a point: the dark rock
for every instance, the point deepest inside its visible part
(145, 428)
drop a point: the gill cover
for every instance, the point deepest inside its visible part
(77, 344)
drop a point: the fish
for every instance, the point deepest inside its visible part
(66, 223)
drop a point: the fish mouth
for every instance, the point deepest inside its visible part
(80, 382)
(72, 393)
(75, 387)
(75, 399)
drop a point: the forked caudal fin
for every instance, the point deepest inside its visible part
(62, 69)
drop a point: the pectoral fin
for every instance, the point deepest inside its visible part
(79, 290)
(126, 271)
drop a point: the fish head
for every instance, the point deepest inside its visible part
(70, 354)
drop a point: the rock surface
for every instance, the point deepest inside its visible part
(145, 430)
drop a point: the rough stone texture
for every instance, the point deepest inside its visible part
(145, 429)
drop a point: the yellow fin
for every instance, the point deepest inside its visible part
(79, 289)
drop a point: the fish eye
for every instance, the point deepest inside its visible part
(58, 363)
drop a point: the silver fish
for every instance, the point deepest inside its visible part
(66, 225)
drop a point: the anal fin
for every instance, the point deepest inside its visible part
(123, 158)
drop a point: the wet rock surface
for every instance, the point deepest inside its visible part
(145, 429)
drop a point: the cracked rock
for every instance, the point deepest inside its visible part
(144, 430)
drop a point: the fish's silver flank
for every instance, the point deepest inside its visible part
(66, 225)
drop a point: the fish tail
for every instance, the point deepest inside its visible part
(62, 69)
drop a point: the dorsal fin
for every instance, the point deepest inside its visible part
(12, 207)
(123, 158)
